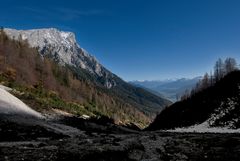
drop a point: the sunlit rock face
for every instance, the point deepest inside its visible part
(63, 48)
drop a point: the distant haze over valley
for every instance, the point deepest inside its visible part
(171, 88)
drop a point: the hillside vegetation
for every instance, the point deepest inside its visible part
(215, 98)
(44, 85)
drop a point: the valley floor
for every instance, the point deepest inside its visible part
(72, 139)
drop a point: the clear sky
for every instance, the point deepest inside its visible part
(140, 39)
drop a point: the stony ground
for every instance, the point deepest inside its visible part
(74, 139)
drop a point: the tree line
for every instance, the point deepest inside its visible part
(221, 69)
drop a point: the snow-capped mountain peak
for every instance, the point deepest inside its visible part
(63, 48)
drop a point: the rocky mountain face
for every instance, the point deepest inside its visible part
(63, 48)
(217, 106)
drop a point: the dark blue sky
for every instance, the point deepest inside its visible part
(140, 39)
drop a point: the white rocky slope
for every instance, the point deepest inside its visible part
(63, 48)
(226, 107)
(9, 104)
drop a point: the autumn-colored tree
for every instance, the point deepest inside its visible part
(26, 67)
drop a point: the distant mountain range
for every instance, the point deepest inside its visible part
(171, 89)
(53, 60)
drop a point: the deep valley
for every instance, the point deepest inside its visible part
(58, 103)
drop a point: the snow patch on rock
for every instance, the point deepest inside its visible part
(208, 126)
(204, 128)
(10, 104)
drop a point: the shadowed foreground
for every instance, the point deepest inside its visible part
(76, 139)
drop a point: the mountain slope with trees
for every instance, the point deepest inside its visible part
(44, 85)
(215, 98)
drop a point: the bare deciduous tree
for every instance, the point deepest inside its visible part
(219, 69)
(230, 65)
